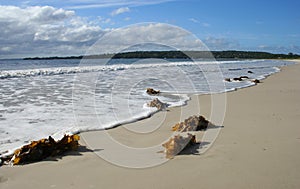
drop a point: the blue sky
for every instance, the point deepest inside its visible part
(272, 26)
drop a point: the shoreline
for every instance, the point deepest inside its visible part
(190, 96)
(258, 147)
(8, 152)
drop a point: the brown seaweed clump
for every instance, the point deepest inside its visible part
(41, 149)
(151, 91)
(193, 123)
(157, 104)
(178, 143)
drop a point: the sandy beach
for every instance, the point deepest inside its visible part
(257, 147)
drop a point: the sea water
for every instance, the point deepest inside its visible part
(39, 98)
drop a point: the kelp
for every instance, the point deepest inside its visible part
(151, 91)
(41, 149)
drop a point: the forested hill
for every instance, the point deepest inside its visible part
(183, 55)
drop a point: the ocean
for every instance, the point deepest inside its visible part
(56, 97)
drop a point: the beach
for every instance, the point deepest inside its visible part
(257, 147)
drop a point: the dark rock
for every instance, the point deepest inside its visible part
(151, 91)
(202, 123)
(244, 77)
(255, 81)
(250, 72)
(237, 79)
(227, 79)
(241, 78)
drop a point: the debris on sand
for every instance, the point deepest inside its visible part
(177, 143)
(41, 149)
(193, 123)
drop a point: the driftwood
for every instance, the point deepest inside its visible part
(39, 150)
(151, 91)
(157, 104)
(193, 123)
(177, 143)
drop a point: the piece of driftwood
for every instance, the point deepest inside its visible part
(177, 143)
(41, 149)
(193, 123)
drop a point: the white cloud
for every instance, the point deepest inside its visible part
(48, 31)
(5, 49)
(279, 48)
(44, 30)
(221, 43)
(135, 37)
(127, 19)
(120, 11)
(204, 24)
(78, 4)
(194, 20)
(102, 20)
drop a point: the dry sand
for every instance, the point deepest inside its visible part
(257, 148)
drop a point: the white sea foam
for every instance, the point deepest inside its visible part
(4, 74)
(81, 69)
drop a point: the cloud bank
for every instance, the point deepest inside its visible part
(141, 35)
(44, 31)
(120, 11)
(217, 44)
(48, 31)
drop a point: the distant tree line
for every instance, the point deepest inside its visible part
(253, 55)
(182, 55)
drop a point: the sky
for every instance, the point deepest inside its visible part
(70, 27)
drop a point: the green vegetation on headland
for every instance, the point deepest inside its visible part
(182, 55)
